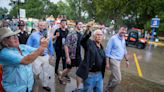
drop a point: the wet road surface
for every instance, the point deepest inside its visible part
(151, 60)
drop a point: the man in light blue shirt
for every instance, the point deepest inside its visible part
(34, 41)
(41, 64)
(115, 52)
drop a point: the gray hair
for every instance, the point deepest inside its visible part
(3, 44)
(96, 31)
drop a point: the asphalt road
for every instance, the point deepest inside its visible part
(151, 61)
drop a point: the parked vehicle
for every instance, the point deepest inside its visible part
(136, 38)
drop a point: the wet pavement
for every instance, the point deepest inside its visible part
(151, 61)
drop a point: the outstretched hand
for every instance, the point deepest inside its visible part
(44, 42)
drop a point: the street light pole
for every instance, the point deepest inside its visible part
(18, 10)
(18, 2)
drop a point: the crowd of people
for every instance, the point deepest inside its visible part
(25, 55)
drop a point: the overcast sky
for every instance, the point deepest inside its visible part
(5, 3)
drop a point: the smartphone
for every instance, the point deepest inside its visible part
(45, 33)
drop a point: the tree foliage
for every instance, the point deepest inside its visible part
(3, 11)
(64, 9)
(134, 13)
(36, 8)
(138, 12)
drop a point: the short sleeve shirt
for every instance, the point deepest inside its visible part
(71, 42)
(16, 76)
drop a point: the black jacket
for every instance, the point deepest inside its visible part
(23, 37)
(92, 56)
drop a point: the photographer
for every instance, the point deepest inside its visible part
(16, 61)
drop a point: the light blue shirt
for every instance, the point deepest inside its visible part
(116, 48)
(34, 41)
(16, 77)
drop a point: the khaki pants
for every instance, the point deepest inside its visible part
(115, 77)
(41, 66)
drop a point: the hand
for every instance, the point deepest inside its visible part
(68, 61)
(57, 34)
(44, 42)
(89, 28)
(127, 64)
(51, 59)
(107, 66)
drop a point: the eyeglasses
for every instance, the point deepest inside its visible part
(21, 25)
(99, 34)
(12, 37)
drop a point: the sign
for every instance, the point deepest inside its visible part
(155, 22)
(89, 1)
(22, 13)
(22, 1)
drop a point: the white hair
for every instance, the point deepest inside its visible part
(97, 31)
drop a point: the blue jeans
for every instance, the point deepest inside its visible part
(94, 82)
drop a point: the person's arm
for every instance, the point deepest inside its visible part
(68, 61)
(30, 40)
(127, 61)
(108, 48)
(66, 49)
(107, 63)
(85, 39)
(50, 47)
(51, 50)
(32, 56)
(125, 56)
(108, 52)
(56, 34)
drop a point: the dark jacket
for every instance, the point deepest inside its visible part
(92, 57)
(23, 37)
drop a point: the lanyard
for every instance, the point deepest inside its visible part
(20, 51)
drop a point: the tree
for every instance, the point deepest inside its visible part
(89, 8)
(76, 7)
(3, 11)
(137, 12)
(36, 8)
(64, 9)
(52, 9)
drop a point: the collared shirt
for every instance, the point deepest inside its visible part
(16, 77)
(71, 42)
(116, 48)
(34, 41)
